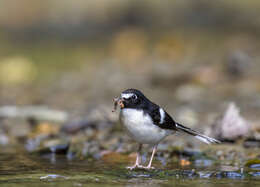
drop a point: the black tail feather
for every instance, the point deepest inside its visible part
(196, 134)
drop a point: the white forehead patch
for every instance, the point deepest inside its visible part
(126, 95)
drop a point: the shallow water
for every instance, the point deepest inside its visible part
(23, 169)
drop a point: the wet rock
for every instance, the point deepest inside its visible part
(52, 176)
(185, 152)
(54, 146)
(205, 174)
(228, 168)
(253, 164)
(75, 126)
(16, 127)
(114, 143)
(233, 175)
(60, 149)
(44, 129)
(228, 174)
(99, 117)
(138, 175)
(91, 149)
(255, 174)
(230, 126)
(184, 162)
(33, 143)
(33, 112)
(203, 162)
(237, 63)
(189, 173)
(39, 137)
(251, 142)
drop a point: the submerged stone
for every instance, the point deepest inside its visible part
(206, 175)
(254, 164)
(234, 175)
(251, 142)
(203, 162)
(255, 174)
(56, 147)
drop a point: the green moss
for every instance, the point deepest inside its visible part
(252, 162)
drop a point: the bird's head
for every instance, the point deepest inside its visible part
(132, 98)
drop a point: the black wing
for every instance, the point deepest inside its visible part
(168, 122)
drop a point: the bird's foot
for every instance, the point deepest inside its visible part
(134, 166)
(148, 167)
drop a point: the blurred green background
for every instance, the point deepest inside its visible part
(75, 55)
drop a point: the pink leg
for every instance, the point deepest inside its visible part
(138, 159)
(149, 166)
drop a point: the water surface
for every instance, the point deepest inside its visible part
(19, 168)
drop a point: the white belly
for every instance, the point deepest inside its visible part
(141, 128)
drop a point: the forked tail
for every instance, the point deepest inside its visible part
(196, 134)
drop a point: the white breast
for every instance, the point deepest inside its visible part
(141, 128)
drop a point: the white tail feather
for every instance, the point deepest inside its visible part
(206, 139)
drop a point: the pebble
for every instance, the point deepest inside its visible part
(52, 176)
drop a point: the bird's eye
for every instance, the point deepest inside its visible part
(134, 97)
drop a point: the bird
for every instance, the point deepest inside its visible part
(148, 123)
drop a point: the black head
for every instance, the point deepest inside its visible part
(133, 98)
